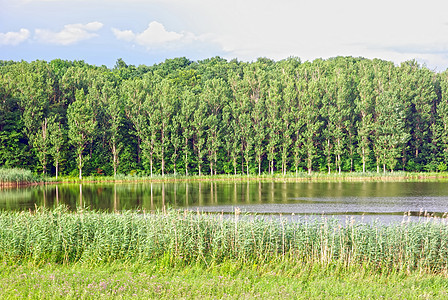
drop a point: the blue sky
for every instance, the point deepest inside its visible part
(149, 31)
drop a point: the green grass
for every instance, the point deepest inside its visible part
(174, 255)
(301, 176)
(229, 280)
(186, 238)
(17, 176)
(20, 177)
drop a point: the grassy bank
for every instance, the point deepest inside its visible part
(301, 176)
(87, 254)
(17, 177)
(225, 281)
(185, 238)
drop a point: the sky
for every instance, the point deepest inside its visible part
(149, 31)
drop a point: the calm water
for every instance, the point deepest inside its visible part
(383, 201)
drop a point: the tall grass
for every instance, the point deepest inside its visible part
(16, 176)
(300, 176)
(188, 238)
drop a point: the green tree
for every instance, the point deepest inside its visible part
(199, 129)
(81, 126)
(216, 95)
(439, 128)
(56, 138)
(186, 121)
(258, 115)
(364, 106)
(114, 115)
(34, 85)
(310, 103)
(417, 91)
(274, 121)
(41, 143)
(133, 92)
(164, 108)
(175, 139)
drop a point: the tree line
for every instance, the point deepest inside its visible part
(216, 116)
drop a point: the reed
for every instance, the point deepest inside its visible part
(175, 237)
(16, 176)
(292, 177)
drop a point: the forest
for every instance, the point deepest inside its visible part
(214, 116)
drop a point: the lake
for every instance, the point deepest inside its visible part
(363, 201)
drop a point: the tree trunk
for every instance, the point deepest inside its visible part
(363, 160)
(186, 163)
(309, 166)
(163, 152)
(216, 162)
(138, 150)
(80, 166)
(339, 163)
(234, 166)
(114, 153)
(151, 164)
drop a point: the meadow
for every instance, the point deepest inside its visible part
(226, 281)
(88, 254)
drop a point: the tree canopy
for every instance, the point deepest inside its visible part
(223, 117)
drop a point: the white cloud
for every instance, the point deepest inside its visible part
(14, 38)
(71, 34)
(154, 36)
(393, 30)
(126, 35)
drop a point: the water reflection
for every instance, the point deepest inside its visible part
(376, 199)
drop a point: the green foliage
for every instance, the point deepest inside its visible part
(81, 125)
(216, 117)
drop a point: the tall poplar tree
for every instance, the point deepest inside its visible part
(188, 106)
(56, 135)
(81, 126)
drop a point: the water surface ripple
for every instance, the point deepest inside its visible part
(383, 201)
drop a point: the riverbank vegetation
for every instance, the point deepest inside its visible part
(232, 280)
(172, 254)
(216, 117)
(186, 238)
(288, 177)
(14, 177)
(17, 177)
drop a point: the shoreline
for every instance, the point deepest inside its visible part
(315, 177)
(301, 177)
